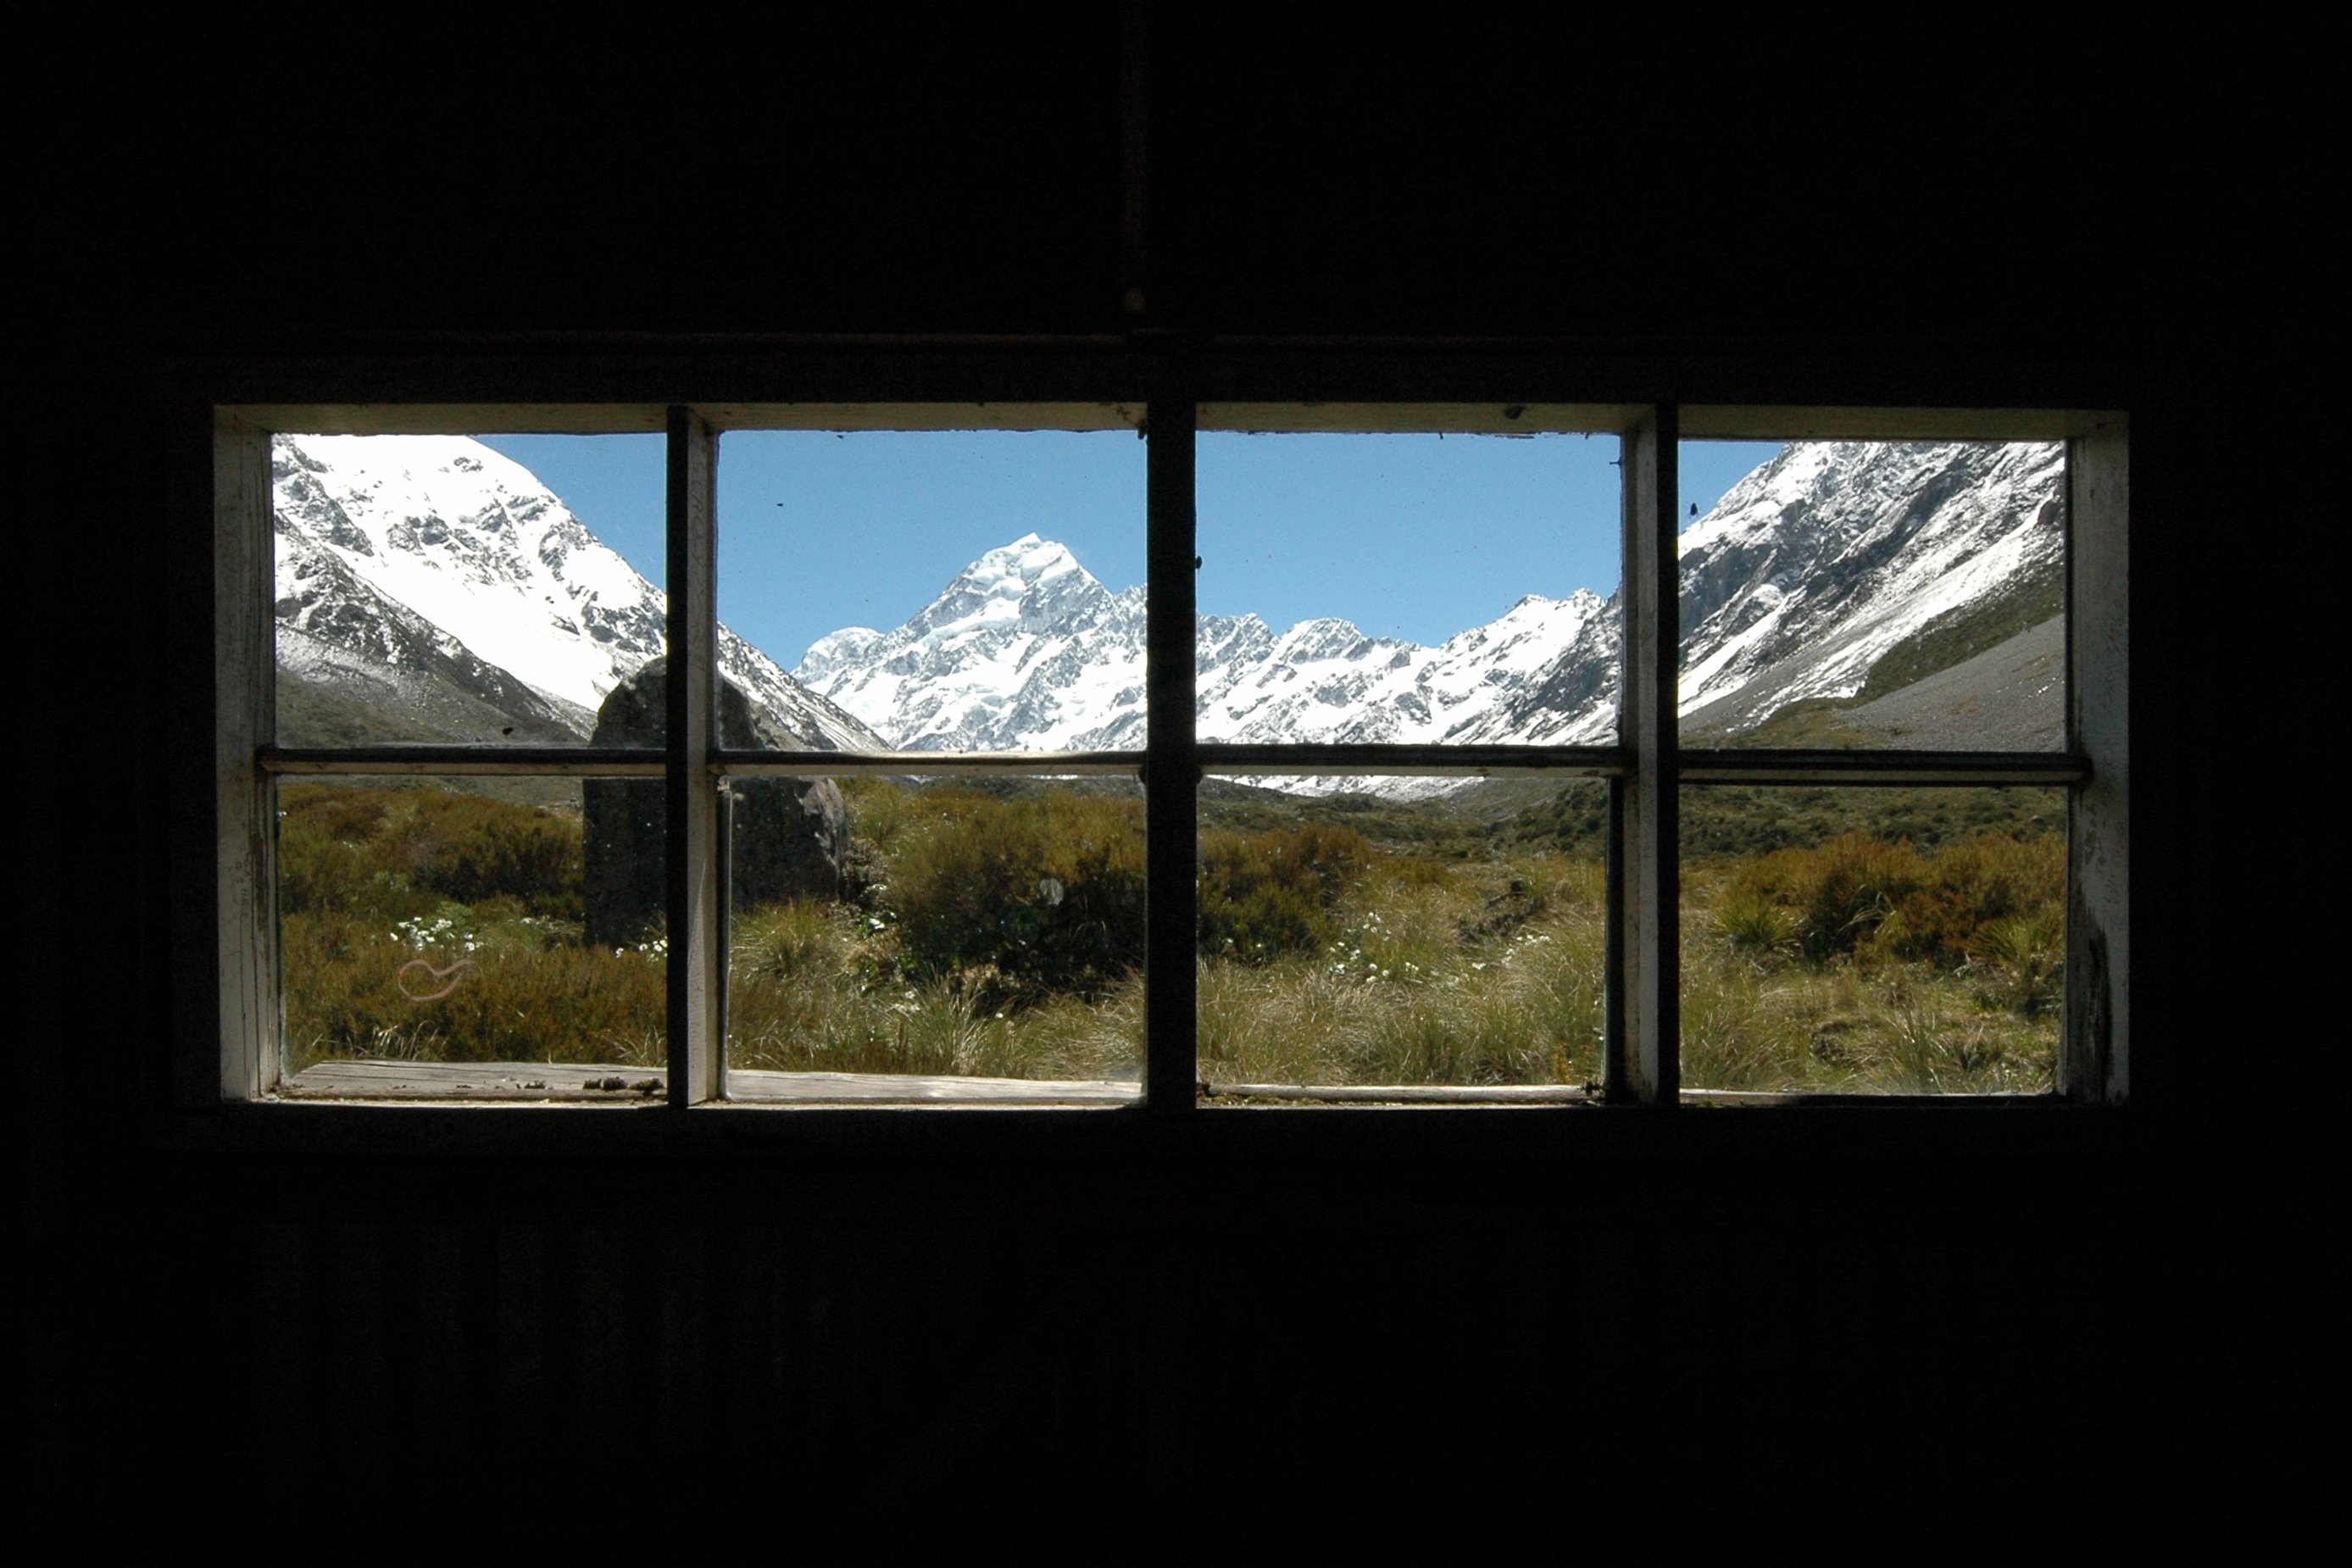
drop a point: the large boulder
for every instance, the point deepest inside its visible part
(790, 836)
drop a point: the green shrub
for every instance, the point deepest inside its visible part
(1270, 893)
(878, 810)
(1046, 889)
(472, 848)
(318, 874)
(395, 853)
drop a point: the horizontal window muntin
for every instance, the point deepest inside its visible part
(1586, 761)
(1879, 767)
(1430, 761)
(926, 764)
(573, 762)
(2078, 767)
(1212, 757)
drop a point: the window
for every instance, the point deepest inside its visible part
(1638, 774)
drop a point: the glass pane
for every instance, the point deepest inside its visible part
(437, 588)
(1380, 935)
(1894, 594)
(943, 590)
(466, 937)
(978, 939)
(1873, 941)
(1409, 588)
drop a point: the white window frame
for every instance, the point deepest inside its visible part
(229, 1050)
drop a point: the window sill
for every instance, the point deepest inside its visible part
(552, 1084)
(543, 1083)
(1242, 1138)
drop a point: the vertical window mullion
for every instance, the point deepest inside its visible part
(1645, 1063)
(691, 792)
(1172, 771)
(2094, 1058)
(244, 973)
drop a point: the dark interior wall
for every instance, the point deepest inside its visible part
(1310, 1300)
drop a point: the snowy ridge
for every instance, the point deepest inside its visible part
(431, 575)
(1836, 554)
(1806, 574)
(1024, 649)
(400, 557)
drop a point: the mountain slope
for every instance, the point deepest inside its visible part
(430, 588)
(1829, 571)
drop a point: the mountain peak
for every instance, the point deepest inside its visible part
(1030, 584)
(1029, 559)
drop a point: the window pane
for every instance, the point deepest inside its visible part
(978, 939)
(1409, 588)
(1874, 593)
(1377, 934)
(943, 590)
(437, 588)
(466, 937)
(1873, 941)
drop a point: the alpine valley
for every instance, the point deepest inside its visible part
(1880, 594)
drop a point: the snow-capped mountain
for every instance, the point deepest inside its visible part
(1022, 650)
(1831, 562)
(430, 588)
(1834, 561)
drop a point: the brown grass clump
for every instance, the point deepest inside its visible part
(1861, 965)
(1858, 893)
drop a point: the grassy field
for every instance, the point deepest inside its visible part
(1865, 965)
(1892, 940)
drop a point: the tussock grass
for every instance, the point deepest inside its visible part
(1458, 975)
(1000, 934)
(1860, 965)
(819, 987)
(518, 988)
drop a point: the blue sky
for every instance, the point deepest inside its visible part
(1408, 536)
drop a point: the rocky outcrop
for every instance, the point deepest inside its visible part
(790, 836)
